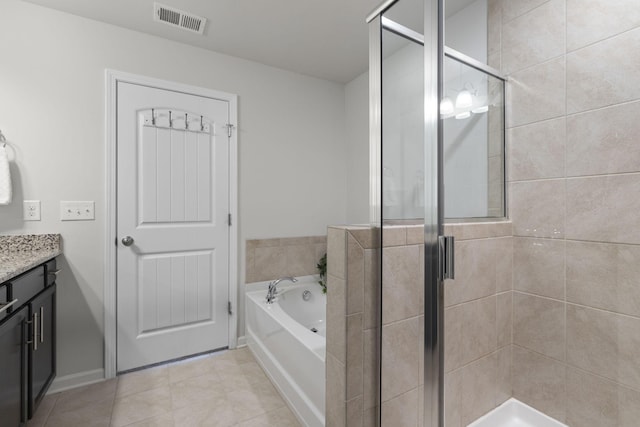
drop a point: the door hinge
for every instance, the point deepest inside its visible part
(446, 249)
(229, 129)
(229, 220)
(229, 308)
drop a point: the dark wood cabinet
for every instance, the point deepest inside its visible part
(13, 337)
(27, 343)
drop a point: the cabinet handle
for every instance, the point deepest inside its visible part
(35, 331)
(42, 324)
(4, 306)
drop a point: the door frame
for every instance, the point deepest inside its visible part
(112, 77)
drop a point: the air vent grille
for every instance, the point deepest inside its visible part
(178, 18)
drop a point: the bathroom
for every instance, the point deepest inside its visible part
(552, 318)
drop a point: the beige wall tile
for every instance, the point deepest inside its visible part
(591, 401)
(539, 381)
(336, 406)
(539, 325)
(336, 318)
(599, 75)
(482, 230)
(453, 337)
(589, 21)
(504, 390)
(604, 209)
(604, 141)
(479, 332)
(355, 413)
(355, 356)
(415, 235)
(537, 208)
(355, 276)
(537, 150)
(401, 410)
(534, 37)
(503, 252)
(494, 28)
(478, 388)
(628, 407)
(394, 236)
(504, 318)
(399, 358)
(249, 276)
(401, 283)
(453, 398)
(371, 369)
(538, 266)
(604, 343)
(269, 263)
(513, 8)
(368, 237)
(262, 243)
(371, 288)
(475, 272)
(300, 260)
(536, 93)
(337, 252)
(604, 276)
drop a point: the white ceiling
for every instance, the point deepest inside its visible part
(322, 38)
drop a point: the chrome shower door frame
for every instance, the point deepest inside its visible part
(433, 41)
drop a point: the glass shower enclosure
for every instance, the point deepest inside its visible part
(436, 123)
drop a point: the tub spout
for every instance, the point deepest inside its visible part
(273, 290)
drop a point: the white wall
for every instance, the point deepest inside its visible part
(291, 139)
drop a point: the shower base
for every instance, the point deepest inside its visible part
(514, 413)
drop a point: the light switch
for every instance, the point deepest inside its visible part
(31, 210)
(77, 211)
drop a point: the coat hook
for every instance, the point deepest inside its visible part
(3, 140)
(201, 125)
(186, 121)
(170, 120)
(153, 117)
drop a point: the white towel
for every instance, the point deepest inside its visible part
(5, 177)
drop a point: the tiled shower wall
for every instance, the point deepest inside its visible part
(268, 259)
(478, 318)
(574, 185)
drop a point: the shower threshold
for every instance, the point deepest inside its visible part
(514, 413)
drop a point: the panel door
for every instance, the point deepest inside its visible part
(173, 204)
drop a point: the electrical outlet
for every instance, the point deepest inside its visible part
(31, 210)
(77, 211)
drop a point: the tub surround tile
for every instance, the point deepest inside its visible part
(604, 209)
(371, 288)
(336, 405)
(604, 343)
(355, 356)
(599, 75)
(539, 325)
(301, 260)
(539, 382)
(537, 208)
(604, 276)
(371, 369)
(539, 266)
(337, 252)
(534, 37)
(355, 276)
(336, 318)
(269, 262)
(536, 93)
(368, 237)
(536, 151)
(604, 141)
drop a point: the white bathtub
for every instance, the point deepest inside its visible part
(280, 336)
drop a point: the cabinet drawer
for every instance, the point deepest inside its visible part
(25, 287)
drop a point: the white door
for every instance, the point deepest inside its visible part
(173, 205)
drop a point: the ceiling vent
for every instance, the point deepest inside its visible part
(178, 18)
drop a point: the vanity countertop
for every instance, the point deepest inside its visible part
(19, 253)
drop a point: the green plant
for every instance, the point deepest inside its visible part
(322, 269)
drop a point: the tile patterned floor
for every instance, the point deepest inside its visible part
(223, 389)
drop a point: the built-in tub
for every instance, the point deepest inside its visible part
(281, 338)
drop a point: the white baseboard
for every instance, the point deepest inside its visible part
(80, 379)
(242, 342)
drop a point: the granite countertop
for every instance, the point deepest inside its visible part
(20, 253)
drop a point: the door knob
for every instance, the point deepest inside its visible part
(127, 241)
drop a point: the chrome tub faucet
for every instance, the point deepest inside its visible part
(273, 291)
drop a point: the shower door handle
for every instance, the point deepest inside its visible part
(446, 252)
